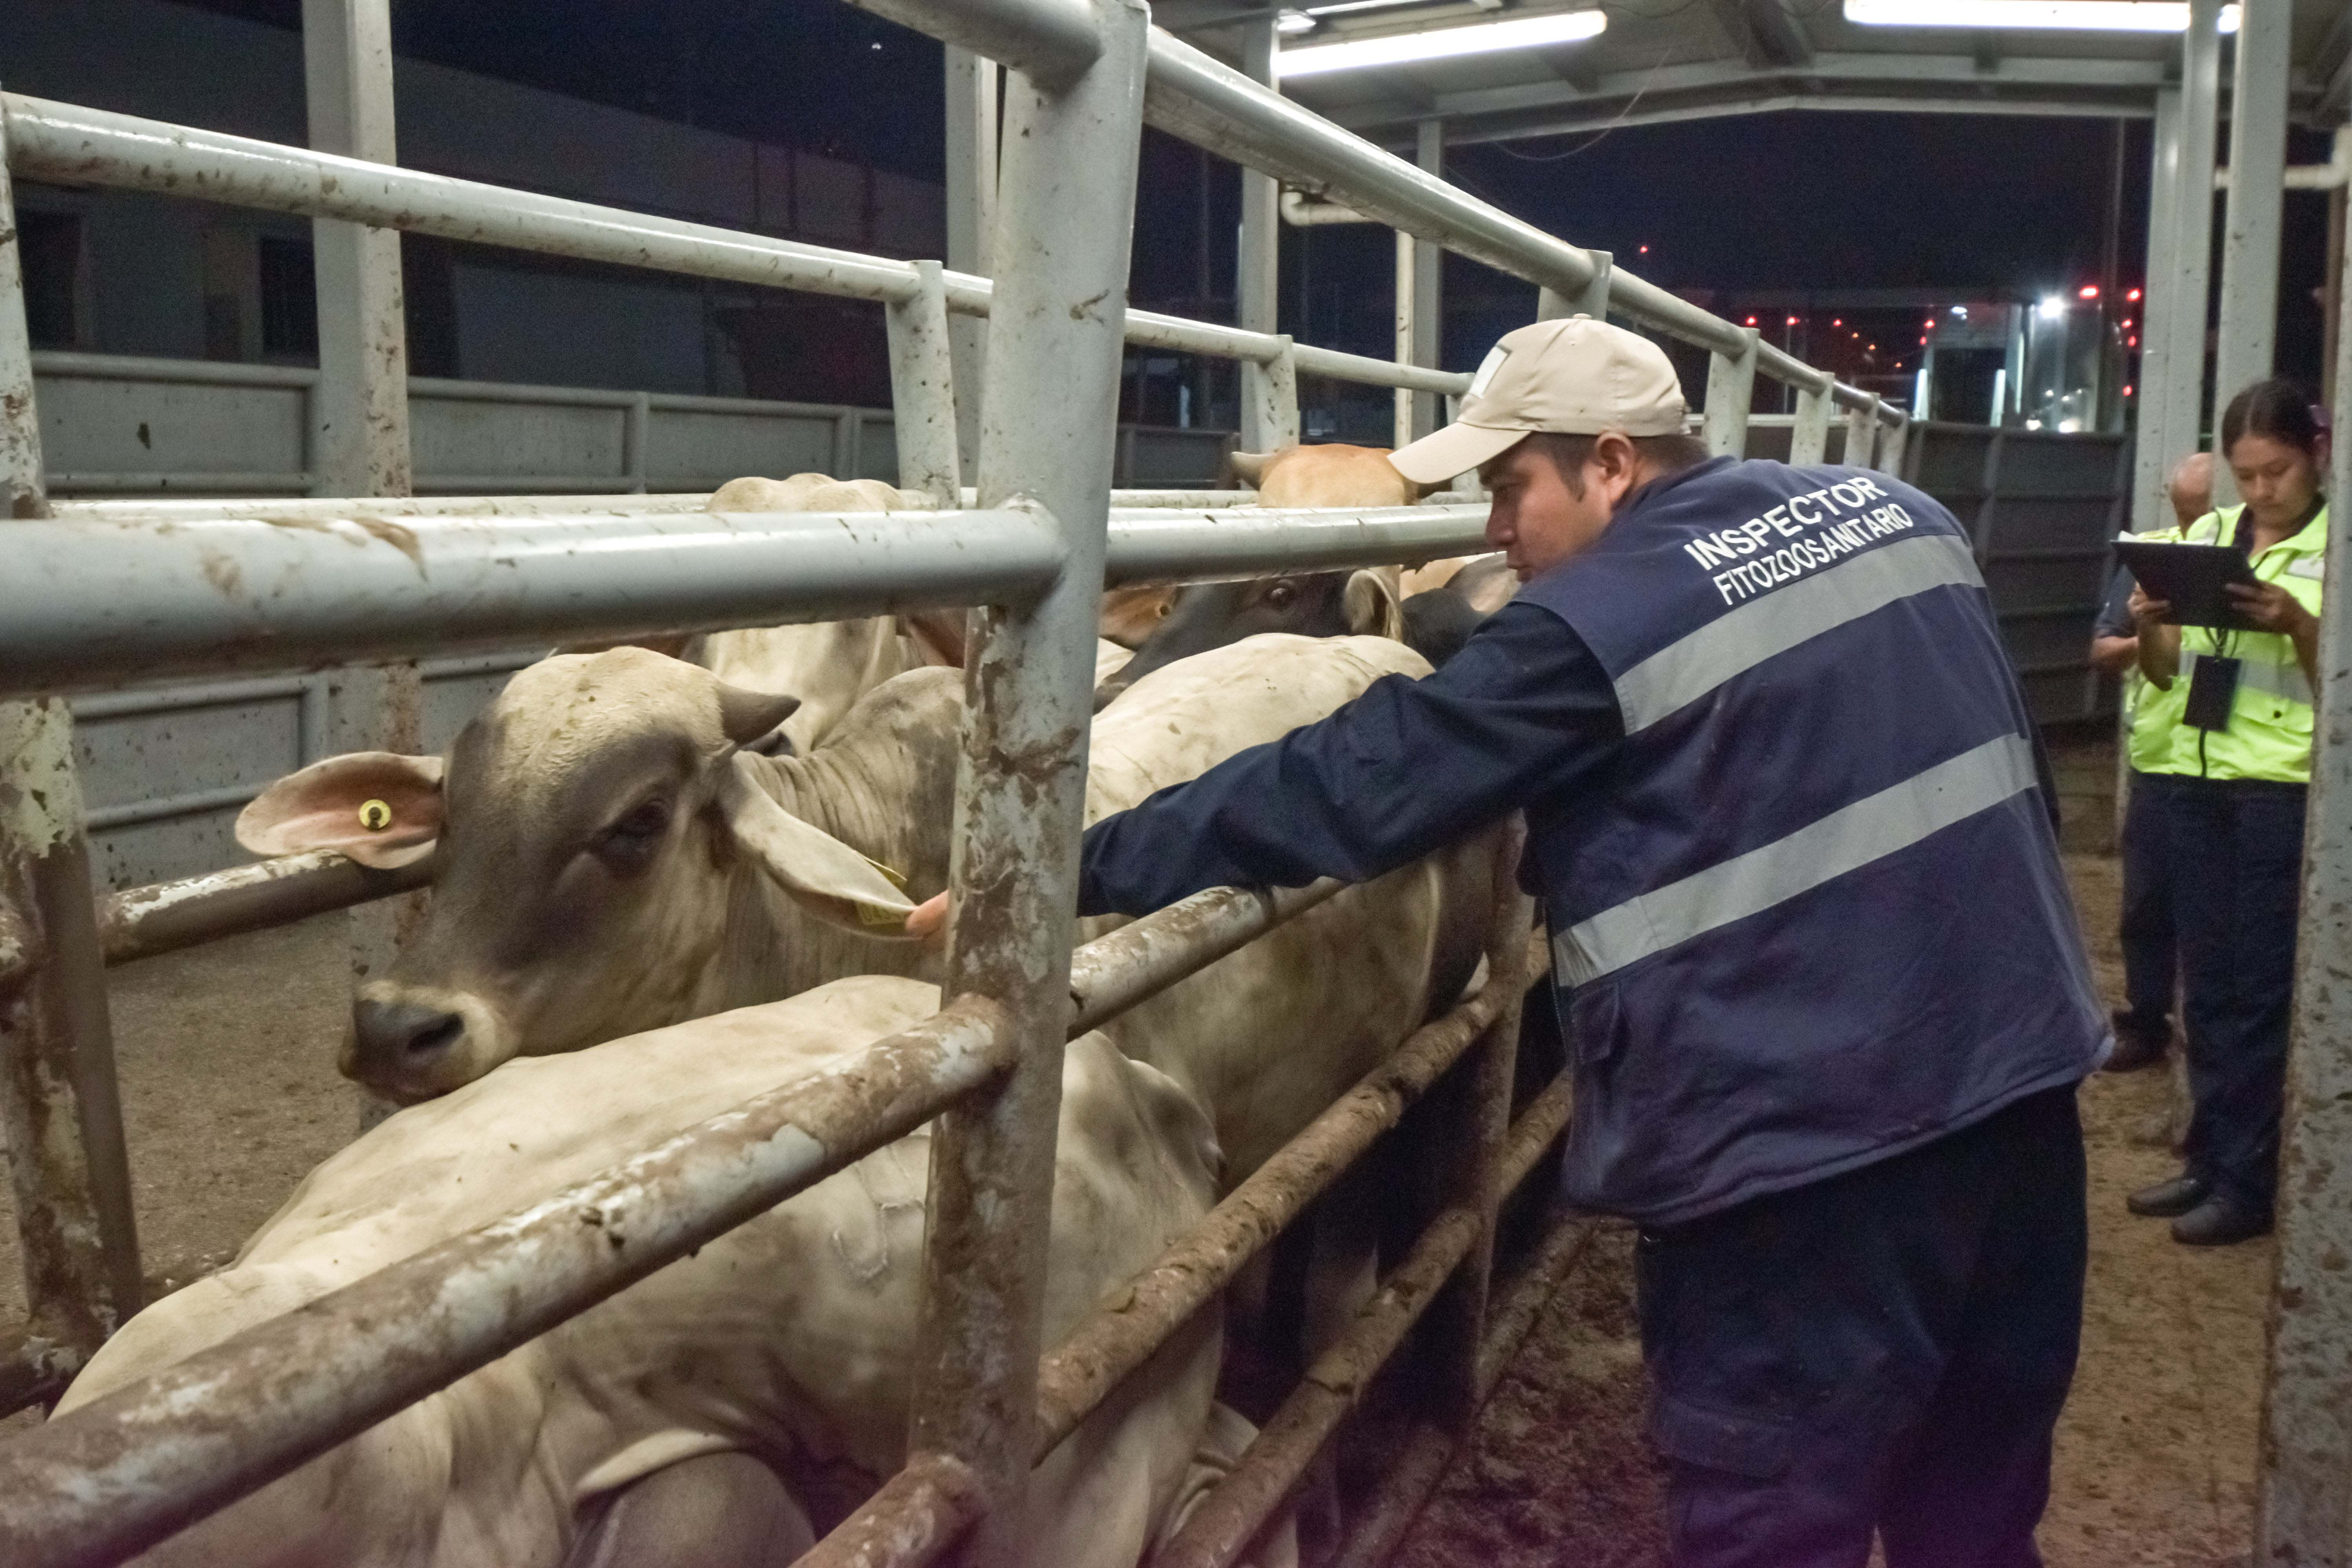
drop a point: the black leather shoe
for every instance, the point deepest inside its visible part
(2137, 1044)
(2219, 1222)
(2168, 1200)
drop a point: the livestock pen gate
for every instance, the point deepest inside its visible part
(96, 596)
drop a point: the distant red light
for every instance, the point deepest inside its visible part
(2088, 291)
(1923, 342)
(2133, 296)
(1751, 320)
(1645, 250)
(2131, 343)
(1837, 320)
(2128, 392)
(1929, 324)
(1793, 321)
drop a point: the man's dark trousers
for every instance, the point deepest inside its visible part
(2151, 947)
(1885, 1350)
(2237, 870)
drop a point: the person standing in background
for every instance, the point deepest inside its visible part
(2241, 757)
(2151, 951)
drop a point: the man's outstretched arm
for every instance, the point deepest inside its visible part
(1520, 715)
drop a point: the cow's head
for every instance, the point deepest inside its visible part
(1312, 605)
(1315, 605)
(588, 825)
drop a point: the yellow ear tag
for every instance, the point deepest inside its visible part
(870, 915)
(374, 815)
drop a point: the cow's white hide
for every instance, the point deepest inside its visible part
(789, 1338)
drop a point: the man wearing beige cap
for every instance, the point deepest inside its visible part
(1813, 950)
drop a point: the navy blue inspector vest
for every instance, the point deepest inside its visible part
(1814, 914)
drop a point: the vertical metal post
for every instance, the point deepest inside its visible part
(2151, 454)
(1466, 1147)
(2304, 1497)
(636, 424)
(359, 408)
(2192, 234)
(363, 399)
(1891, 442)
(2243, 346)
(1861, 435)
(1258, 272)
(1730, 387)
(1272, 409)
(1408, 295)
(60, 1116)
(1428, 284)
(1047, 425)
(1809, 439)
(923, 389)
(1593, 300)
(972, 222)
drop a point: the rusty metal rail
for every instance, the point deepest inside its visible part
(124, 1471)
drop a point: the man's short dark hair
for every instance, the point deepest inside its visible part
(1568, 454)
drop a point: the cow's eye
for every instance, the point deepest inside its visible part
(1281, 596)
(638, 831)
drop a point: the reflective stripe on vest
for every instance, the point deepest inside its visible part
(1685, 670)
(2269, 736)
(2286, 682)
(1847, 839)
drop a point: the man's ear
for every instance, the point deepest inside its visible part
(821, 874)
(1372, 604)
(380, 808)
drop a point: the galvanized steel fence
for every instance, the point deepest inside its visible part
(109, 594)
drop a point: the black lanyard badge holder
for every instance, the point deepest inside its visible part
(2213, 683)
(2212, 692)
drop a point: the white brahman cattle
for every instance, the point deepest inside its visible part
(611, 861)
(727, 1409)
(1306, 603)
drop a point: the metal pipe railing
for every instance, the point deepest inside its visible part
(123, 1471)
(71, 144)
(91, 603)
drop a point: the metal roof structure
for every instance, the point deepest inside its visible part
(1689, 59)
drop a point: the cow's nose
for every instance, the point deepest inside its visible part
(404, 1033)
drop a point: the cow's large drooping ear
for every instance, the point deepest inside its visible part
(822, 874)
(747, 716)
(1372, 606)
(379, 808)
(1250, 467)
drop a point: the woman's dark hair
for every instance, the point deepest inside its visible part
(2277, 409)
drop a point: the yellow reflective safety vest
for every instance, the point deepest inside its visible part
(2155, 711)
(2270, 730)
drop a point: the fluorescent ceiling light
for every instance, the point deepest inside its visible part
(1440, 43)
(2077, 16)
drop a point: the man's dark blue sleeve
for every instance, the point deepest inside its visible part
(1523, 711)
(2115, 615)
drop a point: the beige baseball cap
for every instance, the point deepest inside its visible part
(1575, 376)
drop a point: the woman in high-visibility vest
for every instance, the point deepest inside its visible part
(2241, 762)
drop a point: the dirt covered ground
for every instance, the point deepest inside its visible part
(2156, 1451)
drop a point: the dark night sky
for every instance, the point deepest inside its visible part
(1965, 203)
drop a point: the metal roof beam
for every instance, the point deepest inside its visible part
(2041, 79)
(1460, 133)
(1763, 32)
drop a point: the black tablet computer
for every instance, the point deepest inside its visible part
(2190, 577)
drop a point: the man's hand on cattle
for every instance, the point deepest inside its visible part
(928, 920)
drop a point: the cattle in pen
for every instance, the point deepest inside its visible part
(1308, 603)
(611, 860)
(727, 1409)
